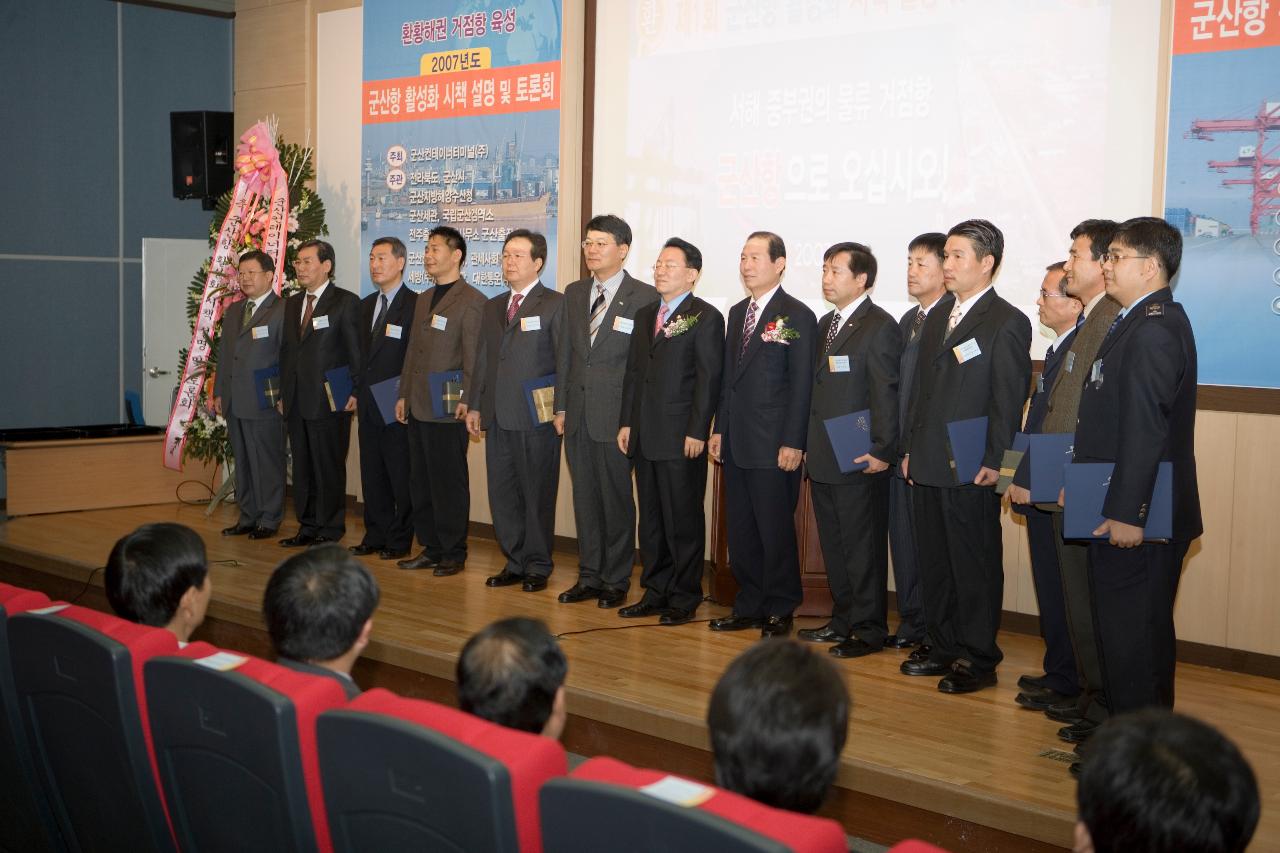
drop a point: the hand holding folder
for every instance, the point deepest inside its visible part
(445, 390)
(540, 394)
(968, 444)
(338, 387)
(1086, 487)
(850, 437)
(385, 394)
(266, 384)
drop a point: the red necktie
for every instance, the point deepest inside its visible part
(514, 306)
(306, 315)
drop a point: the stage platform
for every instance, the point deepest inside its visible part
(966, 772)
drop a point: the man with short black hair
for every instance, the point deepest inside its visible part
(318, 608)
(778, 720)
(158, 575)
(1159, 782)
(512, 673)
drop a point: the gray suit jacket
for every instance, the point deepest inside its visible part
(593, 373)
(240, 353)
(510, 354)
(435, 350)
(1064, 394)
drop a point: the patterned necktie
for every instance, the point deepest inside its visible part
(382, 314)
(748, 328)
(954, 319)
(247, 320)
(1114, 323)
(662, 318)
(833, 331)
(514, 306)
(597, 312)
(306, 315)
(1080, 320)
(916, 324)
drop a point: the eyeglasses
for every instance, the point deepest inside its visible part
(514, 256)
(668, 265)
(244, 273)
(598, 244)
(1045, 294)
(1115, 257)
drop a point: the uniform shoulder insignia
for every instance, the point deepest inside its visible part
(1155, 310)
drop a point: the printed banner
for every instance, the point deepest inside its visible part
(1222, 184)
(461, 115)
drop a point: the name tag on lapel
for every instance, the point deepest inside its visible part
(838, 363)
(261, 333)
(623, 324)
(438, 322)
(1070, 362)
(967, 350)
(1095, 374)
(530, 324)
(321, 322)
(1040, 384)
(394, 331)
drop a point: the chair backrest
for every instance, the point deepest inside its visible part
(28, 821)
(407, 774)
(235, 743)
(78, 678)
(911, 845)
(606, 804)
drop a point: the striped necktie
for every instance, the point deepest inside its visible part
(748, 328)
(247, 320)
(597, 312)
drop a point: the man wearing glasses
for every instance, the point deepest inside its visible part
(600, 312)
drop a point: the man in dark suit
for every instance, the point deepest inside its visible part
(600, 313)
(974, 362)
(668, 398)
(321, 333)
(446, 332)
(385, 323)
(925, 285)
(1138, 409)
(761, 426)
(250, 341)
(521, 339)
(856, 369)
(1059, 311)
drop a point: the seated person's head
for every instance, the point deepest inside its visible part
(319, 606)
(778, 720)
(158, 575)
(512, 673)
(1155, 781)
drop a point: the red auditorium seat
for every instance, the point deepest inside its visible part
(235, 741)
(913, 846)
(608, 805)
(406, 774)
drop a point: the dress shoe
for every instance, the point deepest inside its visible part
(447, 568)
(735, 623)
(299, 541)
(534, 584)
(853, 648)
(965, 680)
(1031, 682)
(363, 550)
(238, 530)
(262, 533)
(894, 641)
(422, 561)
(1078, 732)
(392, 553)
(776, 626)
(1074, 769)
(641, 608)
(924, 666)
(821, 635)
(577, 593)
(675, 617)
(1040, 700)
(920, 652)
(504, 578)
(611, 598)
(321, 540)
(1068, 714)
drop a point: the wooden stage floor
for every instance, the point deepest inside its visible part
(970, 772)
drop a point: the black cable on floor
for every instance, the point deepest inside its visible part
(87, 582)
(629, 627)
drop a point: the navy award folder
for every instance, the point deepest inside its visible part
(968, 441)
(540, 394)
(850, 437)
(1086, 490)
(1050, 453)
(445, 390)
(385, 394)
(266, 382)
(338, 387)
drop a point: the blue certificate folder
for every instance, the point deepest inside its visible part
(1050, 453)
(1086, 490)
(540, 394)
(968, 441)
(441, 386)
(266, 383)
(850, 437)
(338, 387)
(385, 394)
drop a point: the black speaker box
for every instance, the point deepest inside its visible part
(203, 150)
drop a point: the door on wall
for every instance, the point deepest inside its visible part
(167, 268)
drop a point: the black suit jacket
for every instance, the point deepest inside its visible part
(1143, 412)
(1039, 408)
(872, 342)
(993, 383)
(764, 399)
(672, 384)
(383, 353)
(305, 354)
(510, 354)
(907, 368)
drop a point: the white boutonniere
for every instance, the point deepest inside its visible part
(680, 325)
(778, 332)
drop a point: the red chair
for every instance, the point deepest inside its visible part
(235, 742)
(913, 846)
(406, 774)
(607, 805)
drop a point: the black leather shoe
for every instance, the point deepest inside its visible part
(640, 609)
(1078, 732)
(1031, 682)
(363, 550)
(299, 541)
(1065, 713)
(422, 561)
(675, 617)
(964, 680)
(534, 584)
(820, 635)
(893, 641)
(920, 652)
(776, 626)
(238, 530)
(611, 598)
(924, 666)
(262, 533)
(577, 593)
(1040, 700)
(392, 553)
(735, 623)
(504, 578)
(321, 540)
(447, 568)
(1074, 769)
(853, 648)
